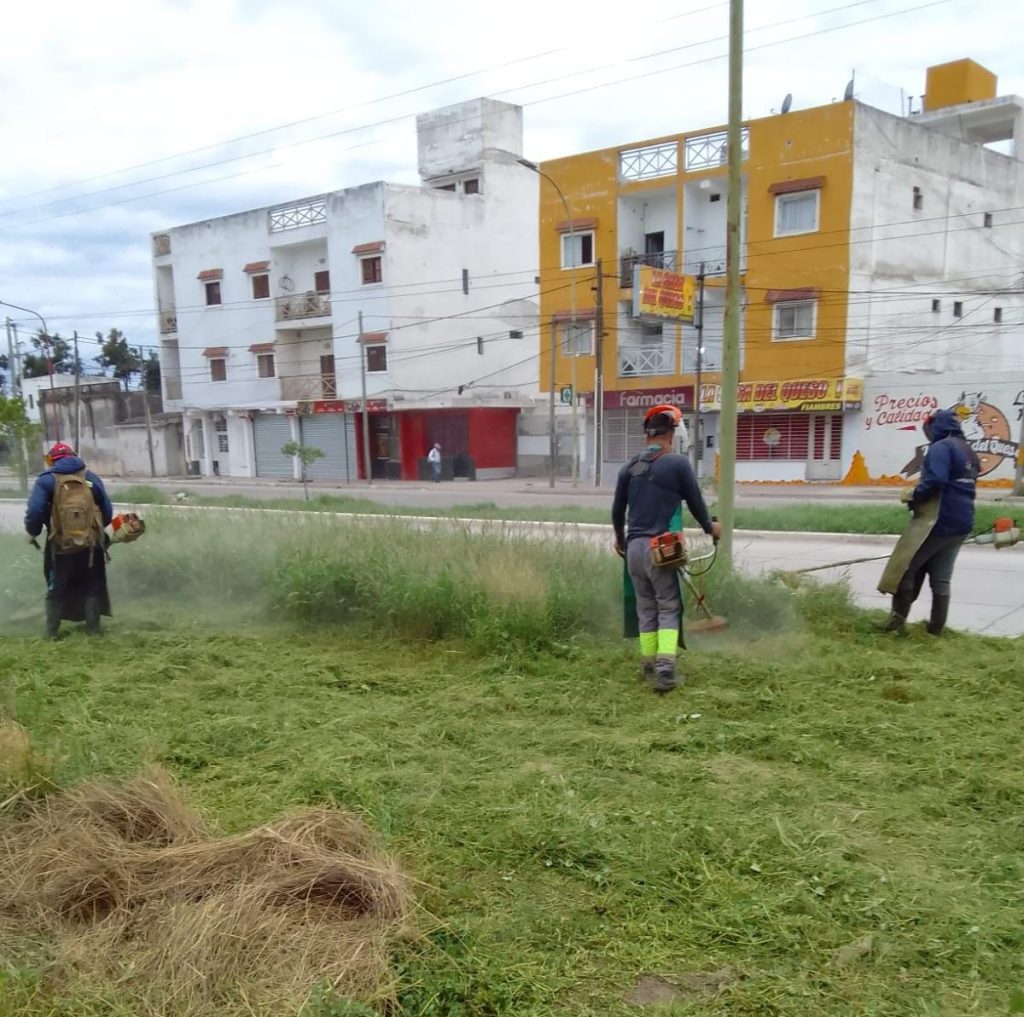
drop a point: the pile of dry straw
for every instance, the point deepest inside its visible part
(128, 889)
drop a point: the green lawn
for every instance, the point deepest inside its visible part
(815, 783)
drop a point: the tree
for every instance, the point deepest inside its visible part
(151, 372)
(118, 357)
(15, 431)
(307, 455)
(55, 347)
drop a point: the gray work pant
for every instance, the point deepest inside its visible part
(659, 603)
(935, 559)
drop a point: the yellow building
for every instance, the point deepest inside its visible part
(660, 205)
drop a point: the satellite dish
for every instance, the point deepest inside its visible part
(848, 94)
(285, 282)
(787, 102)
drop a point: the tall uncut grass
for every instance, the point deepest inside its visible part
(491, 585)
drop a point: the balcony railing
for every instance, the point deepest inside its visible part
(650, 162)
(646, 361)
(168, 320)
(304, 387)
(172, 388)
(297, 306)
(302, 213)
(667, 260)
(712, 258)
(707, 151)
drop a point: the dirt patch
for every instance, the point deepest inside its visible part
(654, 990)
(129, 886)
(733, 769)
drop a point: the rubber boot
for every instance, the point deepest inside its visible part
(647, 671)
(53, 613)
(940, 612)
(901, 605)
(665, 679)
(92, 616)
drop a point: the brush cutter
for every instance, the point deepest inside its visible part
(1004, 533)
(670, 550)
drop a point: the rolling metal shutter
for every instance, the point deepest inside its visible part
(269, 432)
(335, 436)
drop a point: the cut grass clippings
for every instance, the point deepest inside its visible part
(577, 839)
(831, 816)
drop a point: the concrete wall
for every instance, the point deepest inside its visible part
(456, 138)
(902, 259)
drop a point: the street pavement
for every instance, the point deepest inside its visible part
(988, 587)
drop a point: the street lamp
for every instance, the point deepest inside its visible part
(49, 359)
(554, 335)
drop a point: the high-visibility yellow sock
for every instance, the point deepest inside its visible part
(648, 644)
(668, 642)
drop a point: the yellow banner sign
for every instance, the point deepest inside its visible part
(661, 294)
(807, 394)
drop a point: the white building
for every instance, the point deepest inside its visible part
(264, 315)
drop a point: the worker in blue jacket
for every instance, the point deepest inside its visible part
(943, 507)
(72, 504)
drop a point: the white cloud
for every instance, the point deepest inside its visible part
(98, 88)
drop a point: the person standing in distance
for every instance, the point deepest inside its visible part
(434, 458)
(649, 489)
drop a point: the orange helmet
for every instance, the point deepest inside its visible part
(662, 418)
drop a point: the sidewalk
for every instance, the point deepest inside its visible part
(563, 490)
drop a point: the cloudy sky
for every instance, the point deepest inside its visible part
(129, 116)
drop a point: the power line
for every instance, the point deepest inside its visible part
(534, 102)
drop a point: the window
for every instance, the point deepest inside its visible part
(265, 365)
(221, 428)
(218, 369)
(322, 282)
(936, 306)
(212, 293)
(988, 220)
(471, 186)
(577, 249)
(576, 340)
(918, 199)
(795, 320)
(376, 358)
(997, 315)
(372, 270)
(260, 287)
(515, 333)
(792, 440)
(446, 187)
(958, 309)
(651, 331)
(714, 197)
(796, 213)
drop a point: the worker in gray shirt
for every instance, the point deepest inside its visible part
(649, 490)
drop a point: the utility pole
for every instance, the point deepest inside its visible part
(366, 412)
(598, 379)
(12, 363)
(1018, 479)
(731, 340)
(697, 439)
(78, 397)
(552, 436)
(145, 403)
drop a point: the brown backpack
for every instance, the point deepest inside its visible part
(75, 523)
